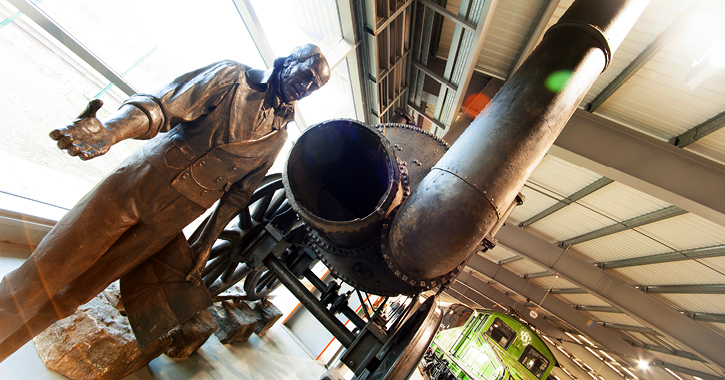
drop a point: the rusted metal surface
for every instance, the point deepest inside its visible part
(346, 206)
(342, 177)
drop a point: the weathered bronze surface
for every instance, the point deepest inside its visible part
(223, 125)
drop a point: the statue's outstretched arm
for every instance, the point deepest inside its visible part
(87, 137)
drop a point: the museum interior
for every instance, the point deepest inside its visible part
(612, 248)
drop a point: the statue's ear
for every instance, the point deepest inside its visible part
(288, 62)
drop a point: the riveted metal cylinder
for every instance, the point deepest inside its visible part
(470, 189)
(342, 177)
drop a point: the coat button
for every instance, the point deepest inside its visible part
(202, 163)
(185, 176)
(218, 179)
(235, 167)
(203, 192)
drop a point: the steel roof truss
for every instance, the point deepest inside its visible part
(655, 216)
(594, 186)
(637, 304)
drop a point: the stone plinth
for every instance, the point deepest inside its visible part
(95, 343)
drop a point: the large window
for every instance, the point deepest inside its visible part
(534, 361)
(148, 43)
(152, 42)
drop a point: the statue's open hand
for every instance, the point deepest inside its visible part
(86, 137)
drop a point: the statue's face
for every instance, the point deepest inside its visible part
(300, 79)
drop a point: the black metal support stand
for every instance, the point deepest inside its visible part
(332, 324)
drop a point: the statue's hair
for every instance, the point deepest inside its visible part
(299, 54)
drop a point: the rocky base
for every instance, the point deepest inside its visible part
(237, 321)
(267, 314)
(95, 343)
(189, 336)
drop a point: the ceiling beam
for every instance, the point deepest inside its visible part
(705, 317)
(642, 162)
(597, 309)
(653, 372)
(639, 329)
(687, 371)
(509, 260)
(460, 297)
(449, 15)
(463, 55)
(665, 350)
(652, 217)
(539, 274)
(596, 185)
(648, 53)
(536, 33)
(696, 133)
(564, 358)
(568, 291)
(554, 305)
(644, 308)
(668, 289)
(433, 75)
(648, 347)
(597, 365)
(688, 254)
(686, 289)
(620, 327)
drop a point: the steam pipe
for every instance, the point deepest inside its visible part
(468, 192)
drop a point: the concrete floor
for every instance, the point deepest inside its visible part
(275, 356)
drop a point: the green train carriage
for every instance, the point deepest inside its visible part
(491, 345)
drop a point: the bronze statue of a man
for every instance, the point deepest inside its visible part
(224, 125)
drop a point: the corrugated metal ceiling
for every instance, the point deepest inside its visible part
(656, 101)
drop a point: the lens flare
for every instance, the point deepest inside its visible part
(557, 80)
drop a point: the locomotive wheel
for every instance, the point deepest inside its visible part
(408, 344)
(227, 260)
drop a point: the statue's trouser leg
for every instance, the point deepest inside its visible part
(66, 271)
(82, 236)
(137, 245)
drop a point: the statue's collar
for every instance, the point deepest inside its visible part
(261, 77)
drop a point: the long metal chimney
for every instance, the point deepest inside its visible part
(470, 189)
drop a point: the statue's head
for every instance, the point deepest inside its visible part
(302, 72)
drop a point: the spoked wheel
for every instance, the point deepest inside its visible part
(227, 263)
(401, 354)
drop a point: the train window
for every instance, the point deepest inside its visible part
(534, 361)
(501, 333)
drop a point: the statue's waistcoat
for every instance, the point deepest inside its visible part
(200, 166)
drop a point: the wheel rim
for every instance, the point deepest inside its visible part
(409, 343)
(227, 260)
